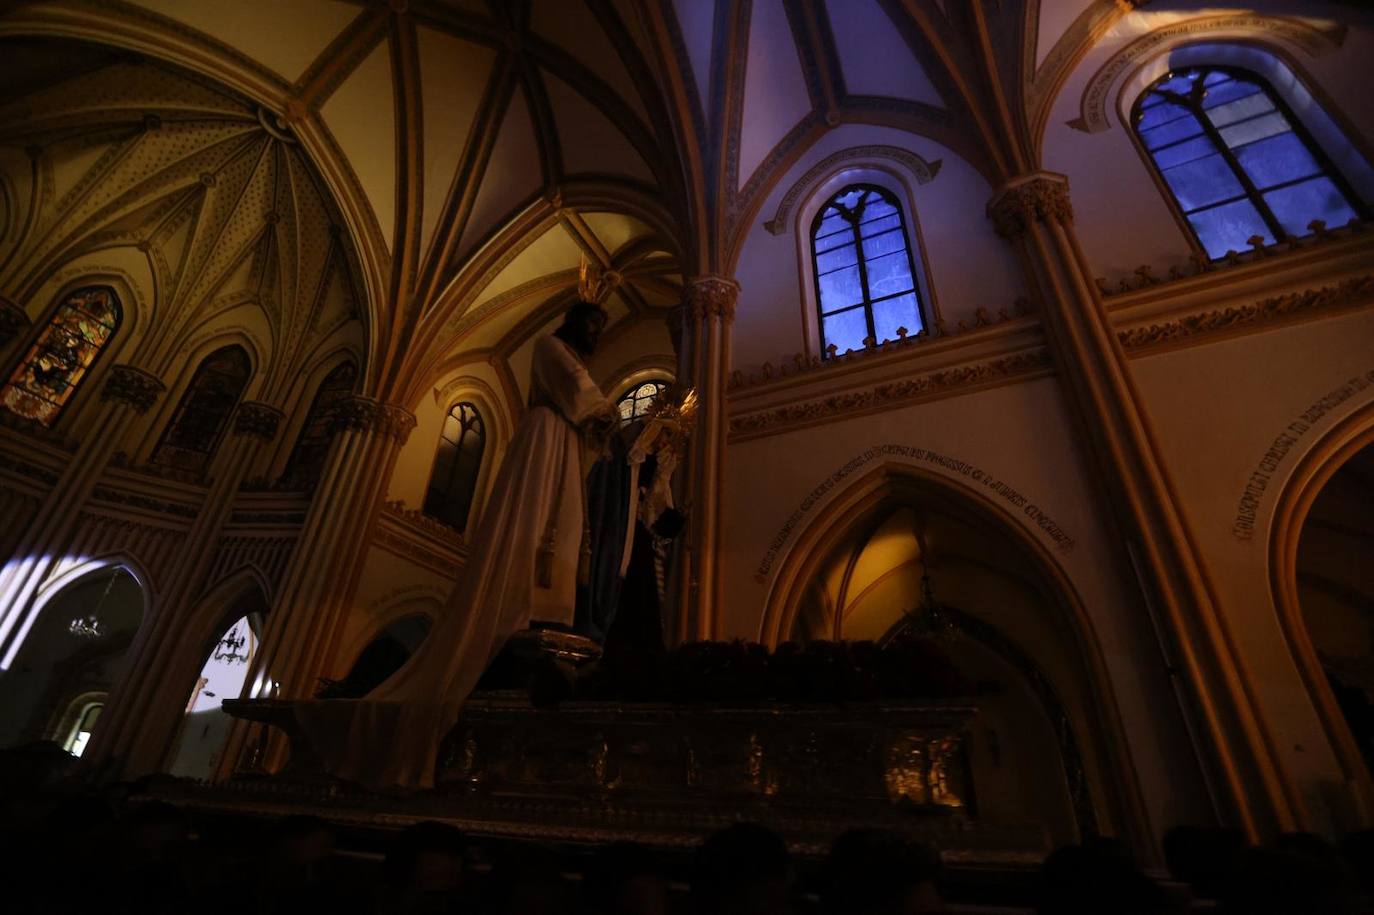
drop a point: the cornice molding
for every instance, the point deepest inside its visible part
(412, 535)
(364, 414)
(1309, 302)
(797, 365)
(133, 386)
(892, 394)
(923, 170)
(1042, 197)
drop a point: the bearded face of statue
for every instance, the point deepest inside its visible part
(582, 329)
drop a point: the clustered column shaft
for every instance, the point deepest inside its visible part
(1035, 213)
(305, 624)
(704, 363)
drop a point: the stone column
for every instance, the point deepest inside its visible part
(144, 709)
(128, 393)
(1034, 212)
(13, 323)
(704, 362)
(306, 621)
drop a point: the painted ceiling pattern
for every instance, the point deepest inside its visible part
(477, 150)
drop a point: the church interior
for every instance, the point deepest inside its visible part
(1026, 481)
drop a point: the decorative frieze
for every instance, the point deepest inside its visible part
(1042, 197)
(800, 364)
(13, 321)
(890, 394)
(364, 414)
(418, 519)
(711, 297)
(259, 420)
(132, 386)
(1350, 292)
(147, 503)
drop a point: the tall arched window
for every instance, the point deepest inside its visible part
(1238, 163)
(46, 379)
(639, 399)
(453, 483)
(312, 445)
(865, 276)
(190, 439)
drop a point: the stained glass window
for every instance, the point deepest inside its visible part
(865, 277)
(1237, 162)
(453, 483)
(638, 400)
(54, 366)
(190, 439)
(312, 445)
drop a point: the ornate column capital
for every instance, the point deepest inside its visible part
(364, 414)
(13, 320)
(711, 296)
(132, 386)
(1042, 196)
(259, 420)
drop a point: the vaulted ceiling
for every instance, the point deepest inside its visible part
(475, 150)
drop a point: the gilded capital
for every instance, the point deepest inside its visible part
(364, 414)
(258, 420)
(711, 297)
(1042, 196)
(135, 387)
(13, 320)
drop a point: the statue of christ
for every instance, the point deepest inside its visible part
(522, 568)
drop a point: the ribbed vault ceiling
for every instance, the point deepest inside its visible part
(476, 149)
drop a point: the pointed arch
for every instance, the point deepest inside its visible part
(79, 330)
(859, 506)
(192, 436)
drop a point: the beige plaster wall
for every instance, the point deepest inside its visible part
(1019, 434)
(1217, 410)
(966, 264)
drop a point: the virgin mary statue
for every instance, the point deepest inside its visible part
(522, 568)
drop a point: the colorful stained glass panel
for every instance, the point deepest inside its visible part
(59, 359)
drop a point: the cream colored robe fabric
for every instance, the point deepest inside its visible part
(391, 737)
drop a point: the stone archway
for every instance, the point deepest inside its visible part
(855, 570)
(78, 646)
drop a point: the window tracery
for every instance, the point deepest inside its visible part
(190, 439)
(1236, 162)
(865, 274)
(639, 399)
(306, 463)
(453, 482)
(47, 378)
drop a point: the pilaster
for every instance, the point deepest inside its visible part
(145, 708)
(707, 313)
(305, 624)
(1034, 212)
(128, 394)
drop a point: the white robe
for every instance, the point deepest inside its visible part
(391, 737)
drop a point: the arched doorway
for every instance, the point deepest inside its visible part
(205, 726)
(75, 653)
(1335, 583)
(1322, 540)
(1048, 747)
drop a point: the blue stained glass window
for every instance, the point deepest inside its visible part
(869, 296)
(1237, 162)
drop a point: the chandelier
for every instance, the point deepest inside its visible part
(88, 626)
(230, 648)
